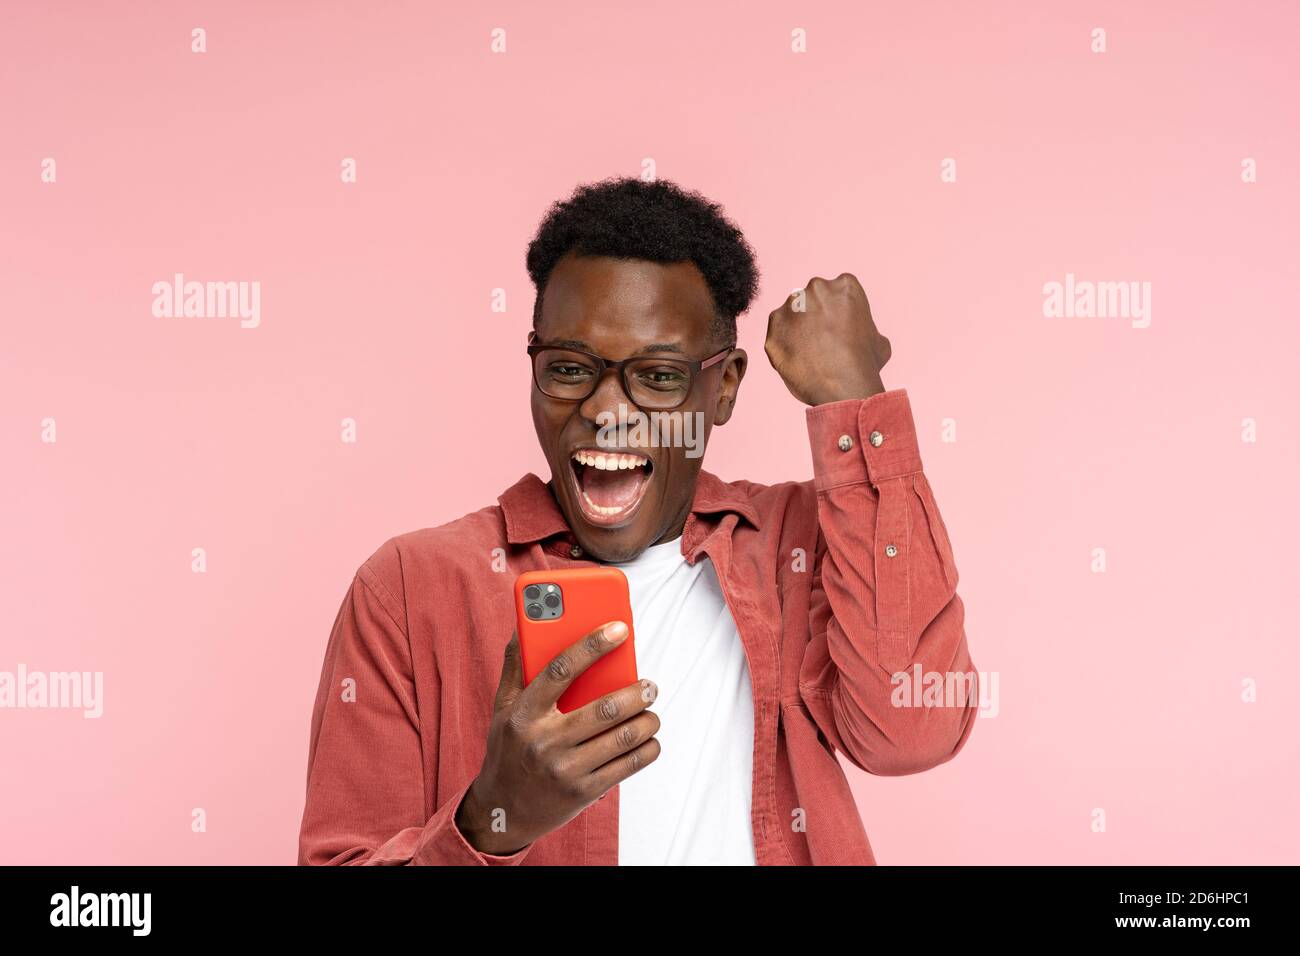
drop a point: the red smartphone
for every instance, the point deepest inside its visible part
(556, 608)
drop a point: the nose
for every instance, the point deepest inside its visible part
(606, 397)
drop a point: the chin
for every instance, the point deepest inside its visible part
(609, 544)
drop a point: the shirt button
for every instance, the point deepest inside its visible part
(575, 552)
(890, 551)
(876, 439)
(845, 443)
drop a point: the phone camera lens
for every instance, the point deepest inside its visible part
(552, 601)
(534, 610)
(532, 592)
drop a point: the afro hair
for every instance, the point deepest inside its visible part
(657, 221)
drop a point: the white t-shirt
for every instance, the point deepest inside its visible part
(692, 805)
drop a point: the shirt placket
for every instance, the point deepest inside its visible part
(762, 658)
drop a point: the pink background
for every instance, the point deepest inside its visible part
(1119, 691)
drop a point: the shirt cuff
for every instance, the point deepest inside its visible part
(863, 439)
(443, 843)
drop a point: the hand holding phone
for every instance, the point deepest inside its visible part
(542, 765)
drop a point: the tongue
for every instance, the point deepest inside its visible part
(612, 489)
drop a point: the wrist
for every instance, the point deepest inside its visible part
(474, 821)
(848, 392)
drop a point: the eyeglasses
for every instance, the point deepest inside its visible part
(650, 381)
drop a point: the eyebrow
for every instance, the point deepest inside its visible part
(582, 346)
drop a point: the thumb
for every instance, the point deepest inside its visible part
(512, 673)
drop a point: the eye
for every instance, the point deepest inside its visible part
(662, 377)
(567, 371)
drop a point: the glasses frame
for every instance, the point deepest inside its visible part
(603, 365)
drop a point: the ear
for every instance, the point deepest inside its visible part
(733, 370)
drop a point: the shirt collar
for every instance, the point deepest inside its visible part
(532, 513)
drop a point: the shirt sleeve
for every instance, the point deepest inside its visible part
(366, 782)
(887, 674)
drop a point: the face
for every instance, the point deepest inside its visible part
(618, 308)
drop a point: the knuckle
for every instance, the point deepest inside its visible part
(575, 786)
(626, 736)
(560, 668)
(558, 773)
(534, 752)
(609, 708)
(595, 643)
(516, 721)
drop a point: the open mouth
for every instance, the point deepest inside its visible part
(609, 484)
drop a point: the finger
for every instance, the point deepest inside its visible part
(608, 711)
(564, 668)
(615, 741)
(512, 673)
(623, 766)
(772, 319)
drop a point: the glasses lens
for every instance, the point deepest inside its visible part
(658, 383)
(562, 374)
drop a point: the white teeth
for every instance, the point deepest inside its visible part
(608, 462)
(600, 510)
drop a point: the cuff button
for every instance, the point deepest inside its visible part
(890, 551)
(876, 439)
(845, 443)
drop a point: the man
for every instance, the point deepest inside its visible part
(770, 620)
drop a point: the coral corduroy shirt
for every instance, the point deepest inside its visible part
(836, 584)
